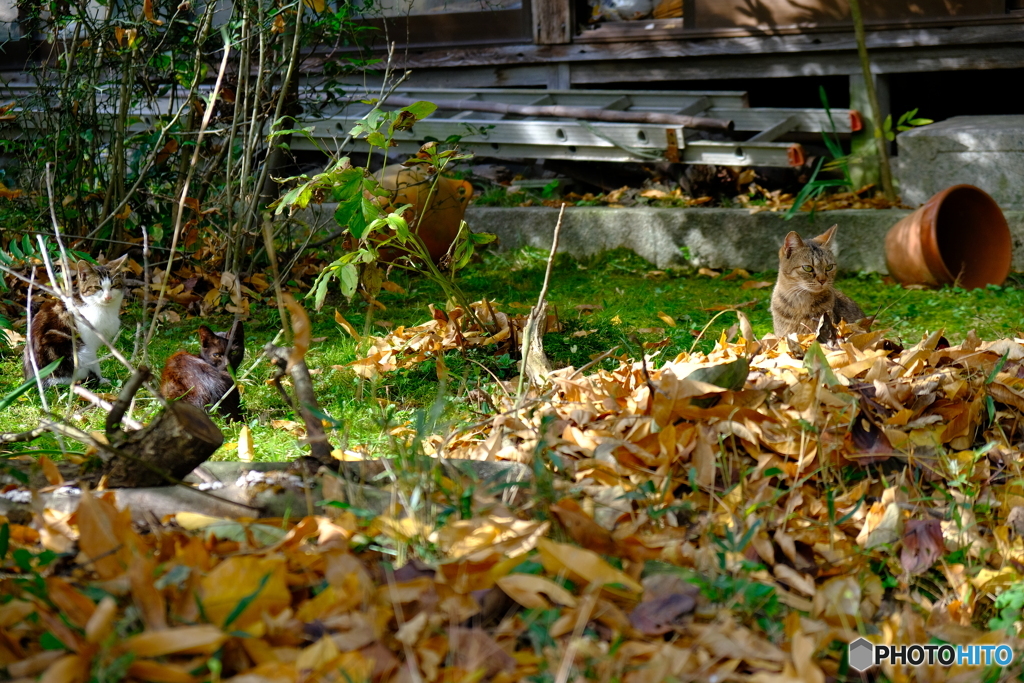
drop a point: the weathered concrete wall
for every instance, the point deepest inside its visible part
(672, 238)
(715, 238)
(986, 151)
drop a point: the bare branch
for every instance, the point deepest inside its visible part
(131, 387)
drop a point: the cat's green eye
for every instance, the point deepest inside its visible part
(809, 269)
(829, 267)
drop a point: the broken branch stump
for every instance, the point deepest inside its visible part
(284, 360)
(181, 438)
(178, 440)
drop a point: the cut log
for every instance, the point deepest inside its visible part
(181, 438)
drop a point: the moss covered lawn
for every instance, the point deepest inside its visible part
(613, 300)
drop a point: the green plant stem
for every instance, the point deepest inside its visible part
(884, 169)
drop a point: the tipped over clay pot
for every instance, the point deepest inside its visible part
(440, 222)
(958, 236)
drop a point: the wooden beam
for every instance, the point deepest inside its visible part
(747, 46)
(715, 67)
(552, 21)
(789, 66)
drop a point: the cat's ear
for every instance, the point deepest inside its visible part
(792, 242)
(83, 268)
(117, 264)
(206, 336)
(825, 238)
(237, 332)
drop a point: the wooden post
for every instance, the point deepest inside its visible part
(552, 22)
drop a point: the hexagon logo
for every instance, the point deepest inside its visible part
(861, 654)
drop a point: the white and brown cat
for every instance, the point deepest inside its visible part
(57, 332)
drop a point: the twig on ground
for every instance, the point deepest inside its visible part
(536, 368)
(124, 399)
(20, 437)
(101, 404)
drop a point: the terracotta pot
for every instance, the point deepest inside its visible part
(958, 236)
(440, 221)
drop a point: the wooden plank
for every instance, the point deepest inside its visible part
(552, 21)
(1007, 31)
(777, 13)
(788, 66)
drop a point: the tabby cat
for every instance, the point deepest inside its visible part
(57, 332)
(805, 299)
(202, 380)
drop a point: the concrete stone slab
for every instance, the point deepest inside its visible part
(986, 151)
(680, 238)
(713, 238)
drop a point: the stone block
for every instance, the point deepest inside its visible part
(985, 151)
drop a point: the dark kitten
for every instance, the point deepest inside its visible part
(202, 380)
(57, 332)
(235, 338)
(805, 299)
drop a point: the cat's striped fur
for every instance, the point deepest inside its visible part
(805, 299)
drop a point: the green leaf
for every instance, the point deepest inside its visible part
(371, 185)
(421, 110)
(244, 603)
(349, 276)
(887, 124)
(348, 184)
(5, 540)
(368, 124)
(809, 190)
(292, 131)
(816, 363)
(920, 122)
(371, 212)
(481, 237)
(463, 254)
(357, 225)
(16, 250)
(320, 292)
(997, 369)
(28, 384)
(730, 376)
(347, 209)
(377, 140)
(48, 641)
(400, 226)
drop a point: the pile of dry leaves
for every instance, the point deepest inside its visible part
(405, 347)
(735, 516)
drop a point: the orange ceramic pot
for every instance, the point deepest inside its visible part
(437, 224)
(958, 236)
